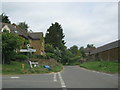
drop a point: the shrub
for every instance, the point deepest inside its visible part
(50, 55)
(33, 56)
(21, 57)
(74, 59)
(40, 56)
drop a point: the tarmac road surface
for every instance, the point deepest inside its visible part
(70, 77)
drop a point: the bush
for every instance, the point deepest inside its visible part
(21, 57)
(40, 56)
(50, 55)
(33, 56)
(74, 60)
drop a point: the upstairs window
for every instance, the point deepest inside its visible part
(6, 31)
(16, 31)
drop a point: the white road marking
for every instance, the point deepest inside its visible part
(103, 73)
(61, 80)
(93, 71)
(107, 74)
(14, 77)
(54, 78)
(97, 72)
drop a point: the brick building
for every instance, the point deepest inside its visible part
(36, 39)
(109, 52)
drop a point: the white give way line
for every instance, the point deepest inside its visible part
(55, 78)
(60, 77)
(14, 77)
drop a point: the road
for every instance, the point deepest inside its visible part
(70, 77)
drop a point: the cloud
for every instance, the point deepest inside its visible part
(82, 23)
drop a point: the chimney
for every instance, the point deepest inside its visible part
(14, 25)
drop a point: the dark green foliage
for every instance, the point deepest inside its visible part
(50, 55)
(33, 56)
(66, 56)
(49, 48)
(52, 52)
(74, 60)
(20, 57)
(90, 46)
(40, 56)
(54, 36)
(4, 18)
(74, 50)
(23, 26)
(83, 55)
(10, 42)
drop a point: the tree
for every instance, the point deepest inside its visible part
(55, 36)
(66, 56)
(83, 55)
(49, 48)
(90, 46)
(74, 50)
(4, 18)
(23, 26)
(10, 42)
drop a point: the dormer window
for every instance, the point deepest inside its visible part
(16, 31)
(6, 30)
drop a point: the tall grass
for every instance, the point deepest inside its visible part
(16, 67)
(103, 66)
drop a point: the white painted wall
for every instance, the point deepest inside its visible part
(6, 28)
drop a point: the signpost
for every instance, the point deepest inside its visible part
(34, 63)
(29, 51)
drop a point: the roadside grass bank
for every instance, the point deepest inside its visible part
(102, 66)
(0, 69)
(16, 68)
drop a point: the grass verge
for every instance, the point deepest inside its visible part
(102, 66)
(16, 68)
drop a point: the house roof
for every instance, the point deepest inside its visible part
(16, 29)
(88, 50)
(35, 35)
(109, 46)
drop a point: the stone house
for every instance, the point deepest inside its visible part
(36, 39)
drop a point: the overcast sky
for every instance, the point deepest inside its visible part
(82, 22)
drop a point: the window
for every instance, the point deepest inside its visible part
(16, 31)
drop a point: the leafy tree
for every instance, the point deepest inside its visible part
(83, 55)
(49, 51)
(66, 56)
(52, 52)
(10, 42)
(23, 26)
(49, 48)
(4, 18)
(57, 55)
(74, 50)
(55, 36)
(90, 46)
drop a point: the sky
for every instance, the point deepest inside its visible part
(82, 22)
